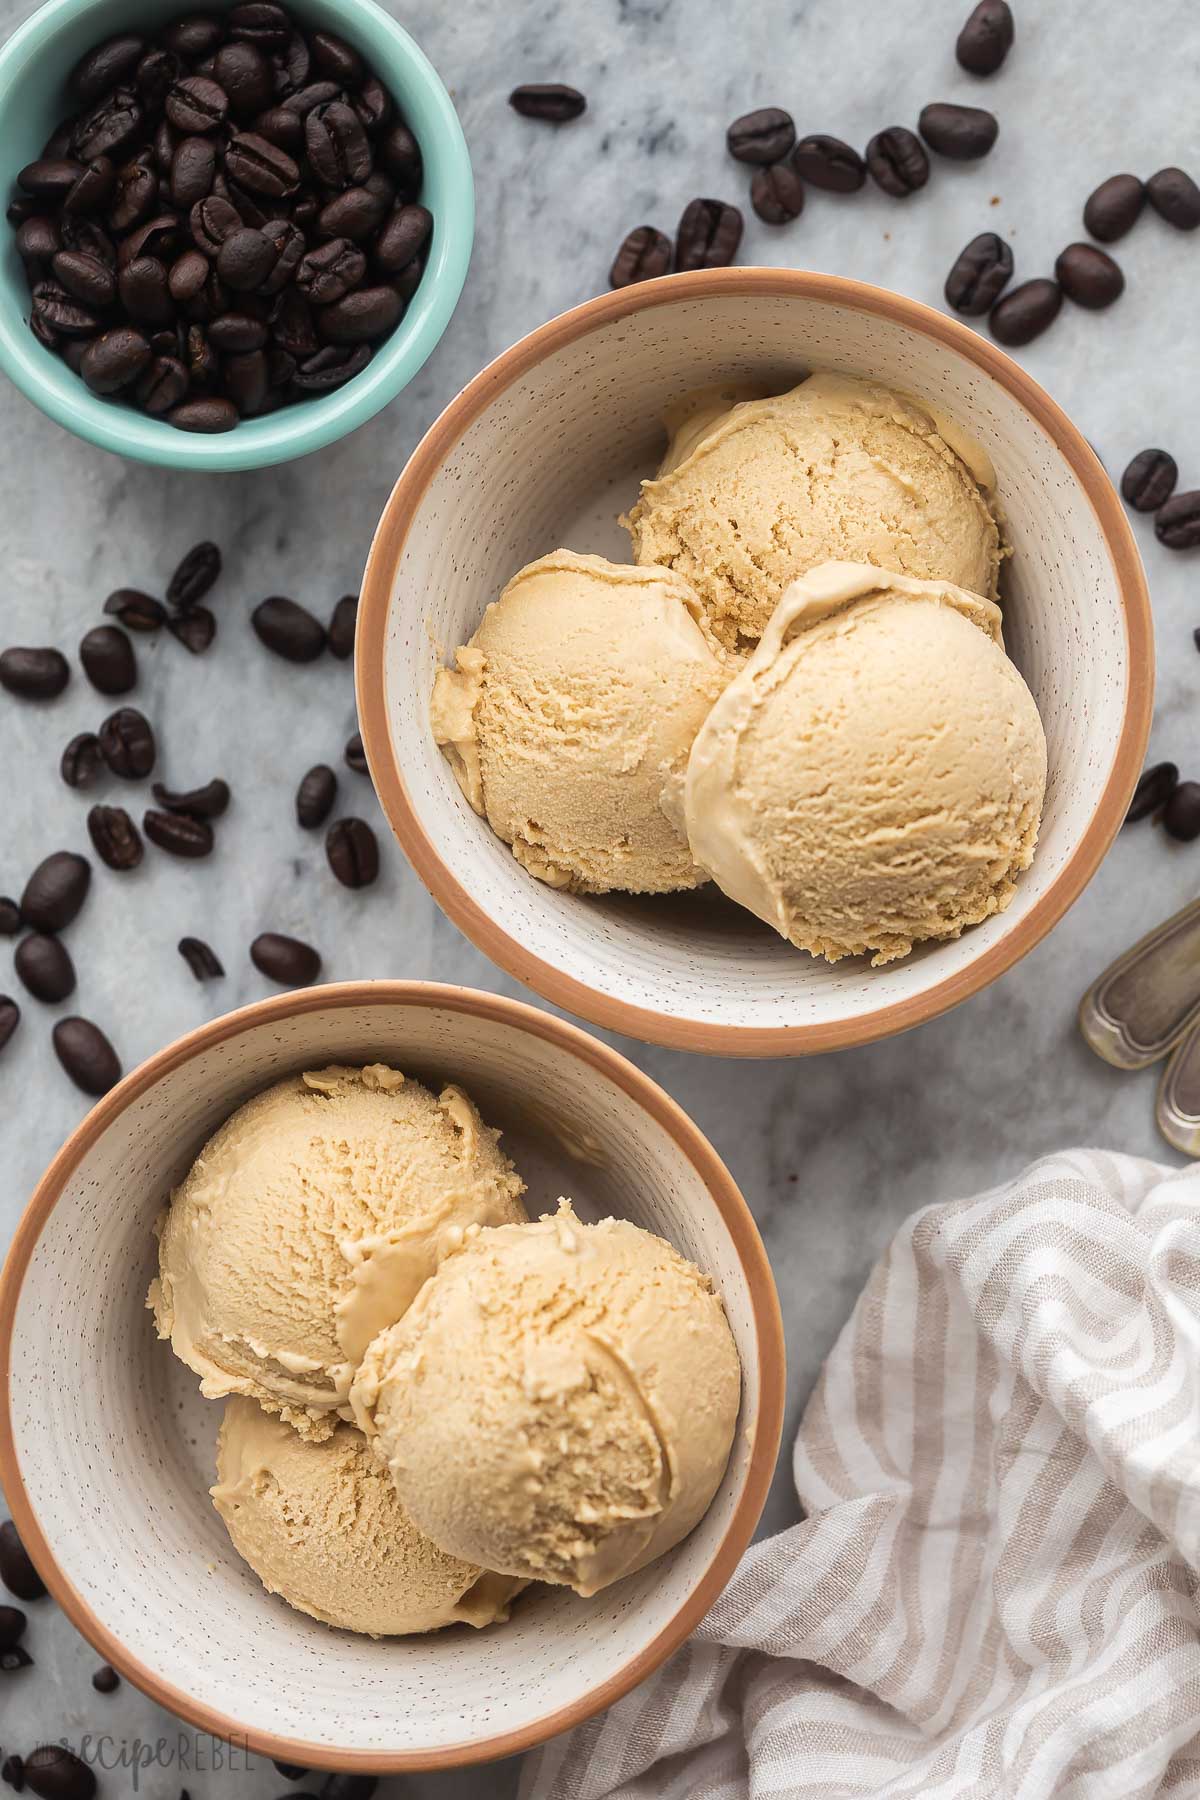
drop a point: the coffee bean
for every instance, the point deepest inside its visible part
(261, 22)
(178, 834)
(127, 743)
(91, 1062)
(55, 314)
(85, 278)
(777, 193)
(1025, 312)
(315, 796)
(204, 415)
(246, 77)
(10, 915)
(1088, 276)
(285, 959)
(1181, 814)
(244, 260)
(1175, 198)
(960, 132)
(260, 166)
(1177, 521)
(404, 236)
(986, 38)
(135, 196)
(352, 852)
(40, 674)
(50, 178)
(194, 576)
(341, 627)
(829, 163)
(400, 155)
(196, 105)
(330, 369)
(355, 756)
(38, 241)
(195, 630)
(106, 1680)
(1149, 480)
(105, 66)
(349, 1787)
(55, 891)
(290, 1771)
(12, 1619)
(81, 761)
(980, 274)
(115, 359)
(207, 802)
(16, 1566)
(282, 126)
(12, 1660)
(10, 1018)
(1155, 788)
(200, 959)
(136, 611)
(193, 168)
(45, 967)
(338, 152)
(897, 162)
(115, 837)
(313, 94)
(763, 136)
(108, 659)
(708, 235)
(288, 629)
(1113, 207)
(93, 189)
(112, 123)
(355, 214)
(550, 102)
(331, 271)
(362, 317)
(12, 1770)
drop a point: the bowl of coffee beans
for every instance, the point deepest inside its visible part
(232, 235)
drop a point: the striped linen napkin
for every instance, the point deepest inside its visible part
(994, 1589)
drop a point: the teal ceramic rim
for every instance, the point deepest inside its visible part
(295, 430)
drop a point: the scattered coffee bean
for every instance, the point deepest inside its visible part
(1088, 276)
(352, 852)
(986, 38)
(12, 1771)
(82, 762)
(1025, 312)
(1112, 208)
(10, 915)
(200, 959)
(87, 1056)
(829, 163)
(980, 274)
(341, 627)
(897, 162)
(1175, 198)
(136, 611)
(290, 1771)
(549, 101)
(56, 1773)
(194, 576)
(315, 796)
(115, 837)
(12, 1660)
(178, 833)
(106, 1680)
(16, 1567)
(355, 756)
(1154, 789)
(708, 235)
(288, 629)
(961, 133)
(10, 1018)
(127, 744)
(108, 659)
(40, 674)
(1181, 814)
(195, 629)
(285, 959)
(12, 1619)
(1177, 521)
(644, 255)
(777, 193)
(55, 891)
(207, 802)
(45, 967)
(349, 1787)
(764, 136)
(1149, 480)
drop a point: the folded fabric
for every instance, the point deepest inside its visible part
(994, 1589)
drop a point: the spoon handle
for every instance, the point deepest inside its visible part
(1144, 1002)
(1178, 1106)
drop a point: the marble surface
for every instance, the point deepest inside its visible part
(832, 1152)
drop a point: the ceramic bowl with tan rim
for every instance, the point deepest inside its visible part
(106, 1448)
(546, 448)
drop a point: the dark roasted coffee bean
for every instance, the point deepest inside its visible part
(1088, 276)
(315, 796)
(12, 1619)
(91, 1062)
(261, 22)
(161, 237)
(85, 278)
(178, 833)
(197, 105)
(290, 1771)
(244, 73)
(38, 240)
(12, 1660)
(55, 314)
(203, 363)
(829, 163)
(16, 1567)
(1181, 814)
(307, 99)
(362, 317)
(330, 369)
(194, 37)
(400, 155)
(212, 221)
(162, 384)
(282, 126)
(1155, 788)
(108, 659)
(339, 154)
(136, 611)
(157, 73)
(644, 255)
(292, 324)
(341, 627)
(207, 802)
(94, 188)
(897, 162)
(10, 1018)
(764, 136)
(1149, 480)
(349, 1787)
(135, 196)
(355, 756)
(45, 967)
(82, 762)
(1025, 312)
(10, 916)
(288, 629)
(285, 959)
(194, 629)
(245, 259)
(50, 178)
(1175, 198)
(986, 38)
(1177, 521)
(373, 104)
(1113, 207)
(40, 674)
(106, 1680)
(548, 101)
(331, 271)
(980, 274)
(194, 575)
(777, 193)
(246, 382)
(200, 959)
(209, 415)
(404, 236)
(115, 359)
(106, 66)
(115, 837)
(192, 170)
(708, 235)
(291, 64)
(55, 891)
(352, 852)
(959, 132)
(187, 275)
(288, 245)
(260, 166)
(112, 123)
(127, 743)
(88, 238)
(354, 214)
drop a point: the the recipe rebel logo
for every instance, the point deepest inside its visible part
(186, 1753)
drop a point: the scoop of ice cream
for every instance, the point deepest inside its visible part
(874, 776)
(321, 1525)
(572, 707)
(559, 1402)
(750, 498)
(309, 1221)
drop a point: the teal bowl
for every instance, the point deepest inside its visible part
(34, 66)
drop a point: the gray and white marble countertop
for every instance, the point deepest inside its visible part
(832, 1152)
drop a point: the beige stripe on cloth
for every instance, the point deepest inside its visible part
(994, 1588)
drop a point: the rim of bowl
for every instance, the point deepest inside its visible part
(735, 1213)
(293, 431)
(645, 1023)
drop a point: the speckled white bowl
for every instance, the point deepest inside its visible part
(546, 447)
(106, 1449)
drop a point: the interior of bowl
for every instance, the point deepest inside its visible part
(115, 1447)
(552, 459)
(34, 67)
